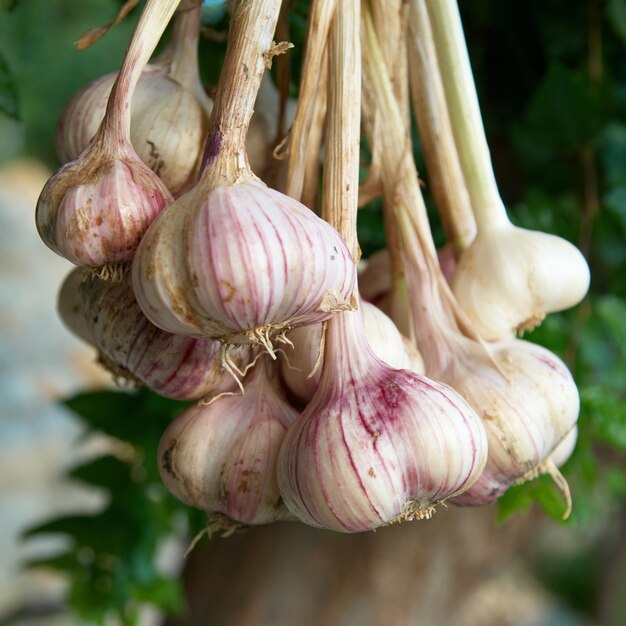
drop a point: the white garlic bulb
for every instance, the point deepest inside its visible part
(510, 278)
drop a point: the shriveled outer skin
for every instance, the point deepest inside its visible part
(174, 366)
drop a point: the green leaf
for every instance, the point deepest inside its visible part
(105, 471)
(607, 413)
(8, 91)
(8, 5)
(166, 593)
(612, 311)
(520, 498)
(616, 15)
(564, 114)
(134, 417)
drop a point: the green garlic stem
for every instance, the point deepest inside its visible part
(464, 110)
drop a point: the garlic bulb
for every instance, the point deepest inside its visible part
(382, 335)
(528, 408)
(510, 278)
(221, 458)
(174, 366)
(168, 119)
(231, 259)
(376, 445)
(95, 209)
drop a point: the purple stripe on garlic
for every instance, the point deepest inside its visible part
(245, 262)
(376, 445)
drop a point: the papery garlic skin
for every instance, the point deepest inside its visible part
(382, 335)
(527, 409)
(221, 458)
(167, 129)
(95, 210)
(376, 445)
(174, 366)
(243, 264)
(510, 278)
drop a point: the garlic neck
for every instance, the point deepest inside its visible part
(115, 128)
(248, 54)
(348, 357)
(184, 47)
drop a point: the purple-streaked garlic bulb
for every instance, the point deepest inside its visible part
(169, 112)
(529, 404)
(232, 259)
(174, 366)
(382, 335)
(221, 458)
(376, 445)
(95, 209)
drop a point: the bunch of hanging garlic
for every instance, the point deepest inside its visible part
(202, 283)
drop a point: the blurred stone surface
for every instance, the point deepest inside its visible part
(40, 362)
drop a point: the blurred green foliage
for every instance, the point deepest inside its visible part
(552, 83)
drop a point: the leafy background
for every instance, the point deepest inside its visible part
(551, 78)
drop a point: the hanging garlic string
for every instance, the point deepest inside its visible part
(376, 445)
(445, 178)
(509, 278)
(340, 194)
(196, 271)
(391, 22)
(96, 208)
(312, 165)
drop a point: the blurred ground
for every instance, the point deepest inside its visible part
(40, 362)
